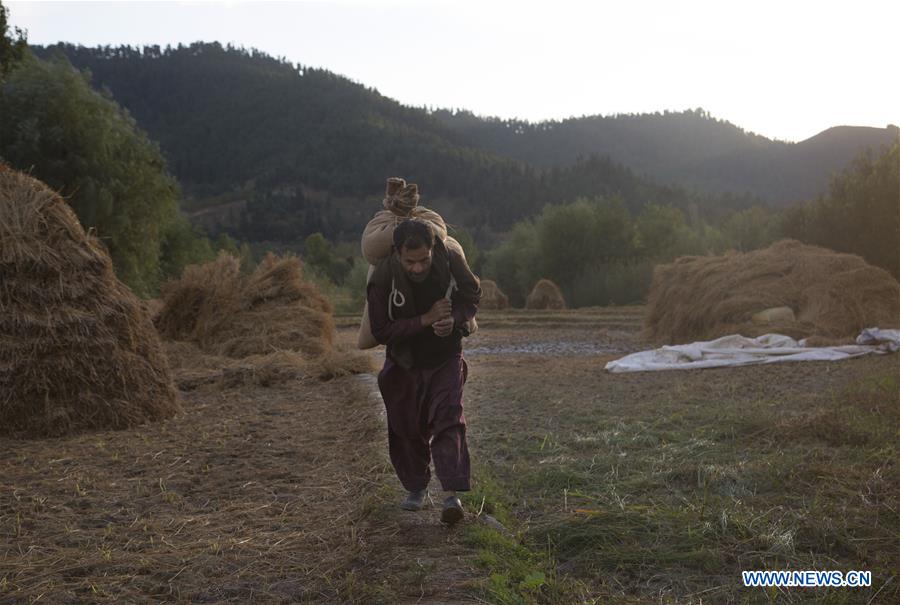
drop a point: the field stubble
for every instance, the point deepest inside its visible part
(662, 486)
(589, 487)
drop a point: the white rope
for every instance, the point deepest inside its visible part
(451, 287)
(396, 298)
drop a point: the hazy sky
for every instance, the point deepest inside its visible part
(786, 69)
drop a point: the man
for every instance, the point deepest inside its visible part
(424, 369)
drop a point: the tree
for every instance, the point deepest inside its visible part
(515, 263)
(320, 256)
(658, 228)
(573, 236)
(183, 244)
(79, 142)
(12, 44)
(860, 214)
(751, 228)
(470, 248)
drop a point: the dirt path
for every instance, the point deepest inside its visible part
(412, 557)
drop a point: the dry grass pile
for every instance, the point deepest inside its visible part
(153, 306)
(492, 297)
(194, 369)
(832, 295)
(545, 295)
(194, 305)
(77, 348)
(237, 316)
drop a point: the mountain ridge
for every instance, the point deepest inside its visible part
(231, 121)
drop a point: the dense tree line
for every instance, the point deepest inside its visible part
(859, 214)
(596, 250)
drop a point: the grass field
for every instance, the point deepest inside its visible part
(588, 486)
(662, 487)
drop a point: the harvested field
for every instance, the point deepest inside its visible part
(588, 486)
(647, 488)
(653, 489)
(249, 495)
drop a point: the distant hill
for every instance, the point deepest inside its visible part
(270, 150)
(273, 151)
(689, 148)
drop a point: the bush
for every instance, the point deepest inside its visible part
(82, 144)
(620, 283)
(515, 263)
(320, 256)
(860, 214)
(595, 251)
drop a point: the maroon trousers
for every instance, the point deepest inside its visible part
(426, 423)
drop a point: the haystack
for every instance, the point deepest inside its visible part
(77, 348)
(832, 295)
(545, 295)
(236, 316)
(492, 297)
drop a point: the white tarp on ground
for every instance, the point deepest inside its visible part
(736, 350)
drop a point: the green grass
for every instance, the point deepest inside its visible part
(517, 571)
(667, 502)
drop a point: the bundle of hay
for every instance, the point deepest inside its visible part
(153, 307)
(231, 315)
(194, 305)
(492, 297)
(828, 295)
(77, 348)
(545, 295)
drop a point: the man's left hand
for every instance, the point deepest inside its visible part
(443, 327)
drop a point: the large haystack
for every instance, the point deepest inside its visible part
(77, 348)
(832, 295)
(228, 314)
(545, 295)
(492, 297)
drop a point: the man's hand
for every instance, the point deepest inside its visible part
(444, 327)
(440, 310)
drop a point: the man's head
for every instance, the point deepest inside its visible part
(414, 241)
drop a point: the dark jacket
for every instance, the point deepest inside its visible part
(397, 333)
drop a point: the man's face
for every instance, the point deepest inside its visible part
(416, 262)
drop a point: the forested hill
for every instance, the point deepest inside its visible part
(690, 148)
(276, 151)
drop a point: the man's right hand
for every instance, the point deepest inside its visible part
(439, 310)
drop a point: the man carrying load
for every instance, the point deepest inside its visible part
(421, 300)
